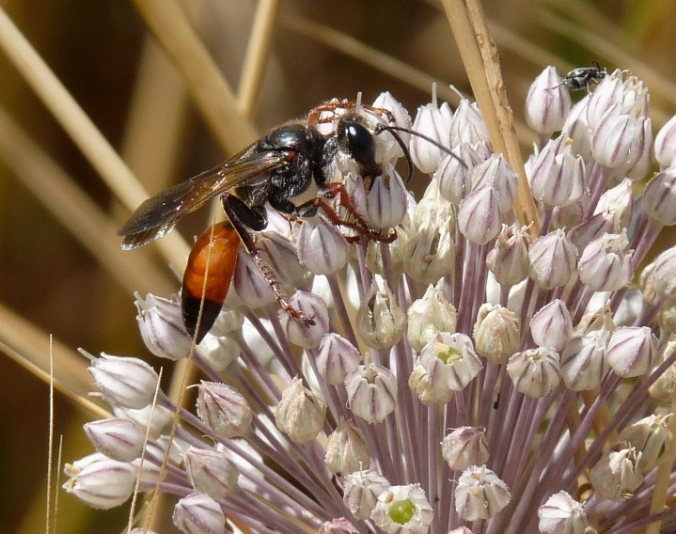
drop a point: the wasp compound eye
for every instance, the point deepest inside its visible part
(358, 142)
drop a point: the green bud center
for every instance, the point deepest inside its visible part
(402, 511)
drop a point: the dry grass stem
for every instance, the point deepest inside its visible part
(257, 54)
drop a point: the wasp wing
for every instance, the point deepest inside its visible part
(158, 215)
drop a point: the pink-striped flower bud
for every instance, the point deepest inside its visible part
(281, 254)
(199, 514)
(403, 509)
(336, 359)
(508, 259)
(468, 125)
(252, 288)
(465, 446)
(665, 143)
(552, 325)
(126, 382)
(160, 322)
(583, 364)
(224, 409)
(479, 217)
(552, 260)
(618, 202)
(557, 176)
(385, 203)
(480, 494)
(211, 472)
(605, 265)
(455, 173)
(535, 372)
(662, 274)
(300, 413)
(321, 247)
(561, 514)
(361, 491)
(496, 173)
(659, 198)
(300, 333)
(387, 147)
(592, 228)
(346, 450)
(430, 122)
(632, 351)
(371, 392)
(153, 419)
(547, 103)
(118, 439)
(100, 482)
(577, 128)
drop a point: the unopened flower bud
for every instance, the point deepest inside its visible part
(508, 259)
(199, 514)
(336, 358)
(279, 253)
(591, 229)
(535, 372)
(666, 317)
(632, 351)
(428, 316)
(385, 205)
(429, 393)
(429, 253)
(619, 203)
(337, 526)
(547, 103)
(224, 409)
(665, 143)
(616, 475)
(160, 322)
(552, 260)
(371, 392)
(300, 414)
(430, 122)
(496, 333)
(465, 446)
(102, 483)
(118, 439)
(468, 125)
(218, 351)
(577, 128)
(387, 146)
(662, 274)
(479, 217)
(252, 288)
(126, 382)
(154, 419)
(561, 514)
(583, 364)
(557, 176)
(495, 172)
(379, 320)
(664, 388)
(361, 491)
(300, 333)
(649, 436)
(321, 247)
(604, 264)
(450, 361)
(552, 325)
(211, 472)
(480, 494)
(403, 509)
(455, 173)
(346, 450)
(659, 197)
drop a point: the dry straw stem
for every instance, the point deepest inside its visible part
(257, 54)
(59, 193)
(79, 127)
(206, 85)
(480, 57)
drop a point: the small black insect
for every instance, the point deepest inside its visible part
(584, 77)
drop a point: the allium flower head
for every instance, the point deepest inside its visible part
(464, 367)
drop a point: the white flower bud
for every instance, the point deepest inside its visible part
(480, 494)
(468, 125)
(371, 392)
(429, 253)
(561, 514)
(552, 325)
(379, 320)
(547, 103)
(211, 472)
(535, 372)
(280, 254)
(155, 417)
(497, 333)
(385, 205)
(199, 514)
(665, 143)
(604, 265)
(465, 446)
(659, 198)
(387, 148)
(664, 388)
(298, 332)
(361, 491)
(118, 439)
(403, 510)
(224, 409)
(321, 247)
(649, 436)
(430, 122)
(508, 259)
(552, 260)
(479, 216)
(337, 526)
(160, 322)
(450, 361)
(583, 364)
(337, 358)
(455, 173)
(346, 450)
(495, 172)
(126, 382)
(101, 482)
(300, 414)
(218, 351)
(632, 351)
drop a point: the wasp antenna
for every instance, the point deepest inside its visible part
(357, 103)
(407, 154)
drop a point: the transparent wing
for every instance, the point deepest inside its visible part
(158, 215)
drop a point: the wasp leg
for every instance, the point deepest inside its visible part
(240, 215)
